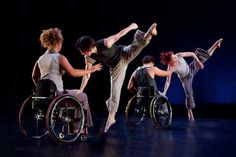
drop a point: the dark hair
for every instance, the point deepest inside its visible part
(148, 59)
(166, 57)
(85, 43)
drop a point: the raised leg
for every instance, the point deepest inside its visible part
(216, 45)
(152, 31)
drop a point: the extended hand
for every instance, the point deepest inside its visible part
(133, 26)
(78, 91)
(97, 67)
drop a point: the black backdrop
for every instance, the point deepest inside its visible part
(183, 25)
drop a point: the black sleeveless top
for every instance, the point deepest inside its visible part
(143, 79)
(109, 56)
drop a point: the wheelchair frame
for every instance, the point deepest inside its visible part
(157, 108)
(59, 116)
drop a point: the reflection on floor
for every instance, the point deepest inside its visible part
(203, 138)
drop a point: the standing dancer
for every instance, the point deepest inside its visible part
(116, 57)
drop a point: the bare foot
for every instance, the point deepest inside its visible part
(191, 118)
(109, 123)
(215, 46)
(190, 115)
(153, 30)
(218, 42)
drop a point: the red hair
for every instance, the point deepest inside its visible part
(166, 57)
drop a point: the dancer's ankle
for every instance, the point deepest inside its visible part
(152, 30)
(109, 123)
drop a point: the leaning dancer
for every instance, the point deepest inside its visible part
(186, 72)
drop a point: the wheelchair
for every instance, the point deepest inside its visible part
(147, 103)
(46, 112)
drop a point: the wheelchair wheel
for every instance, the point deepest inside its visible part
(32, 118)
(65, 119)
(135, 114)
(160, 111)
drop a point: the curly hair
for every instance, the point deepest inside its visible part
(50, 37)
(165, 57)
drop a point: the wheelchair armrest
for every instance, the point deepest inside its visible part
(142, 96)
(41, 97)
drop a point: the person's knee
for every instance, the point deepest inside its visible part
(83, 99)
(114, 100)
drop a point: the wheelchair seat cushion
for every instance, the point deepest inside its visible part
(46, 88)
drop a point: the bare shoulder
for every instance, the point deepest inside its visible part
(179, 54)
(108, 41)
(153, 70)
(62, 57)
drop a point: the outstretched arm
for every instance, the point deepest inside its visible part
(162, 73)
(64, 63)
(85, 78)
(167, 83)
(191, 54)
(114, 38)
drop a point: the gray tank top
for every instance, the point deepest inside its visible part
(182, 69)
(50, 68)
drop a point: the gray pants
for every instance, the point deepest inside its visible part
(188, 80)
(83, 99)
(117, 74)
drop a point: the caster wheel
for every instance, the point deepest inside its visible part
(83, 137)
(61, 135)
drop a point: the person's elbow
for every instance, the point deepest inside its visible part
(128, 88)
(35, 78)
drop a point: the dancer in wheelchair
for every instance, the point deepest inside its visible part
(52, 65)
(142, 81)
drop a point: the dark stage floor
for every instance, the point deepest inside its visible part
(203, 138)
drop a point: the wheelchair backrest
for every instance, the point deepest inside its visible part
(144, 91)
(45, 88)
